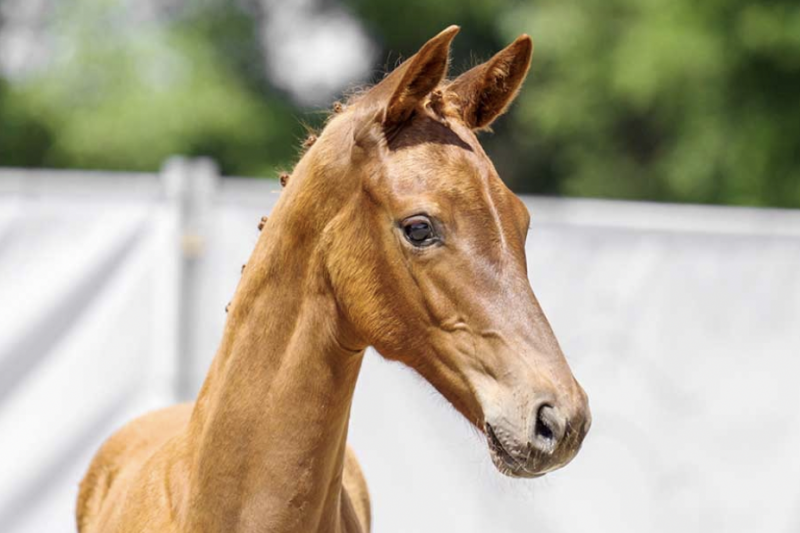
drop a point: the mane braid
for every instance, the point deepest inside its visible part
(310, 140)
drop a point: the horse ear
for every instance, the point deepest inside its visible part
(412, 81)
(484, 92)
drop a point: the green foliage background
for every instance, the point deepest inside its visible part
(667, 100)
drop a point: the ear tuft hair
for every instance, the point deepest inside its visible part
(438, 106)
(414, 80)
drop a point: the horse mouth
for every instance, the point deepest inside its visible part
(503, 460)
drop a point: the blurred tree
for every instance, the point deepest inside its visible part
(184, 83)
(664, 100)
(24, 139)
(640, 99)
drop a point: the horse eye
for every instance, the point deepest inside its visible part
(419, 231)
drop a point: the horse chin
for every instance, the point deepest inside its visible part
(513, 470)
(506, 463)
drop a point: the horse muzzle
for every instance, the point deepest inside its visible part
(550, 439)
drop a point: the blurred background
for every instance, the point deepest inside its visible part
(139, 145)
(662, 100)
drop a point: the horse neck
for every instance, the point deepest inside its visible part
(269, 428)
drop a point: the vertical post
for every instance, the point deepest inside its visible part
(190, 184)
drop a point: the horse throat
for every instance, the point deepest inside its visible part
(268, 434)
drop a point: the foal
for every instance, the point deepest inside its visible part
(393, 231)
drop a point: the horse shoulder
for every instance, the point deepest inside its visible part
(116, 470)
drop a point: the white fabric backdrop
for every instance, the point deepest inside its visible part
(681, 323)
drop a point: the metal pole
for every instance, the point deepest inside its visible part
(191, 184)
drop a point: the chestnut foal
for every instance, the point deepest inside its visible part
(394, 231)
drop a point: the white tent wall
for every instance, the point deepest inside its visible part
(682, 323)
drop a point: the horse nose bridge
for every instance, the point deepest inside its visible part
(535, 336)
(509, 307)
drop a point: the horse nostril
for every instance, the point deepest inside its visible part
(548, 429)
(542, 430)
